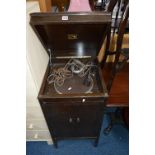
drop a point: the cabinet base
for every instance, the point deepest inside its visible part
(55, 142)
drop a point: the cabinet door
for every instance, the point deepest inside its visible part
(59, 119)
(73, 120)
(89, 118)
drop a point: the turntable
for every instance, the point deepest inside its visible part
(73, 93)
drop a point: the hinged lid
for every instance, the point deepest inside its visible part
(71, 34)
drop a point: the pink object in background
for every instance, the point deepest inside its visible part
(79, 6)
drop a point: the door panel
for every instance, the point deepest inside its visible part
(73, 120)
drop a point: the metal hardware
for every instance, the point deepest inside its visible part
(73, 57)
(70, 88)
(50, 54)
(77, 66)
(70, 120)
(83, 100)
(72, 36)
(78, 119)
(64, 17)
(59, 75)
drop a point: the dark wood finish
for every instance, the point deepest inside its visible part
(119, 94)
(90, 30)
(115, 72)
(121, 32)
(72, 120)
(117, 82)
(74, 17)
(118, 97)
(68, 117)
(118, 51)
(77, 115)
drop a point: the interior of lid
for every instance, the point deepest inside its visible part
(71, 39)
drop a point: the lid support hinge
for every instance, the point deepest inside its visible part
(50, 57)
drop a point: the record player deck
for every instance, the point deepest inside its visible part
(73, 77)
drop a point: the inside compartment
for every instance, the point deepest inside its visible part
(75, 39)
(74, 84)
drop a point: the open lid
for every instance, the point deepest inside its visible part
(71, 34)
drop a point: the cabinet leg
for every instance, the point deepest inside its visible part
(107, 130)
(115, 118)
(96, 142)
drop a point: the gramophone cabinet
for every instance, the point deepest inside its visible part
(68, 36)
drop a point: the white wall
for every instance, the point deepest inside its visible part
(36, 63)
